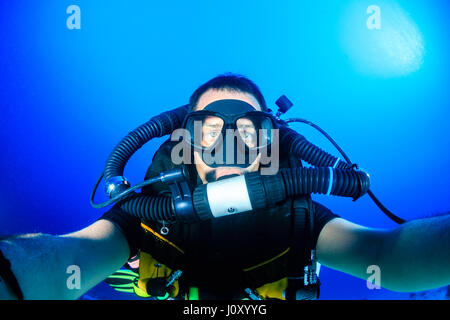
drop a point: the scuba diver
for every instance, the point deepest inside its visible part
(225, 212)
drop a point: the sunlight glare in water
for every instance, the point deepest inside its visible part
(395, 49)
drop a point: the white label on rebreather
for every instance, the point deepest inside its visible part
(228, 196)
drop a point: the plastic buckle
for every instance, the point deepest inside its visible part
(252, 295)
(310, 270)
(310, 277)
(174, 276)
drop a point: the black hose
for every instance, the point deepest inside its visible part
(158, 126)
(268, 190)
(263, 191)
(386, 211)
(149, 207)
(321, 180)
(295, 182)
(122, 195)
(298, 145)
(295, 143)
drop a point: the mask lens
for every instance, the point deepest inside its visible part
(255, 131)
(204, 130)
(248, 132)
(211, 131)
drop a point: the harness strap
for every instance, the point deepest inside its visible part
(302, 280)
(299, 253)
(156, 234)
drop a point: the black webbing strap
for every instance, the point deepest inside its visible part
(7, 275)
(300, 253)
(299, 237)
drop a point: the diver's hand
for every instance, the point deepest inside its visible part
(46, 266)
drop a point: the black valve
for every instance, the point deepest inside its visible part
(284, 104)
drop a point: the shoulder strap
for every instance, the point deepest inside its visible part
(300, 237)
(302, 280)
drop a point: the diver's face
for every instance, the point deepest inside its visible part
(206, 173)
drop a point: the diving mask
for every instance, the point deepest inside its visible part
(229, 132)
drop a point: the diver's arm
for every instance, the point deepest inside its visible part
(40, 262)
(412, 257)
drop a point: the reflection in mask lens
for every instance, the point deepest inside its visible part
(211, 129)
(248, 132)
(206, 131)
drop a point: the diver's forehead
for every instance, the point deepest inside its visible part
(213, 95)
(213, 121)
